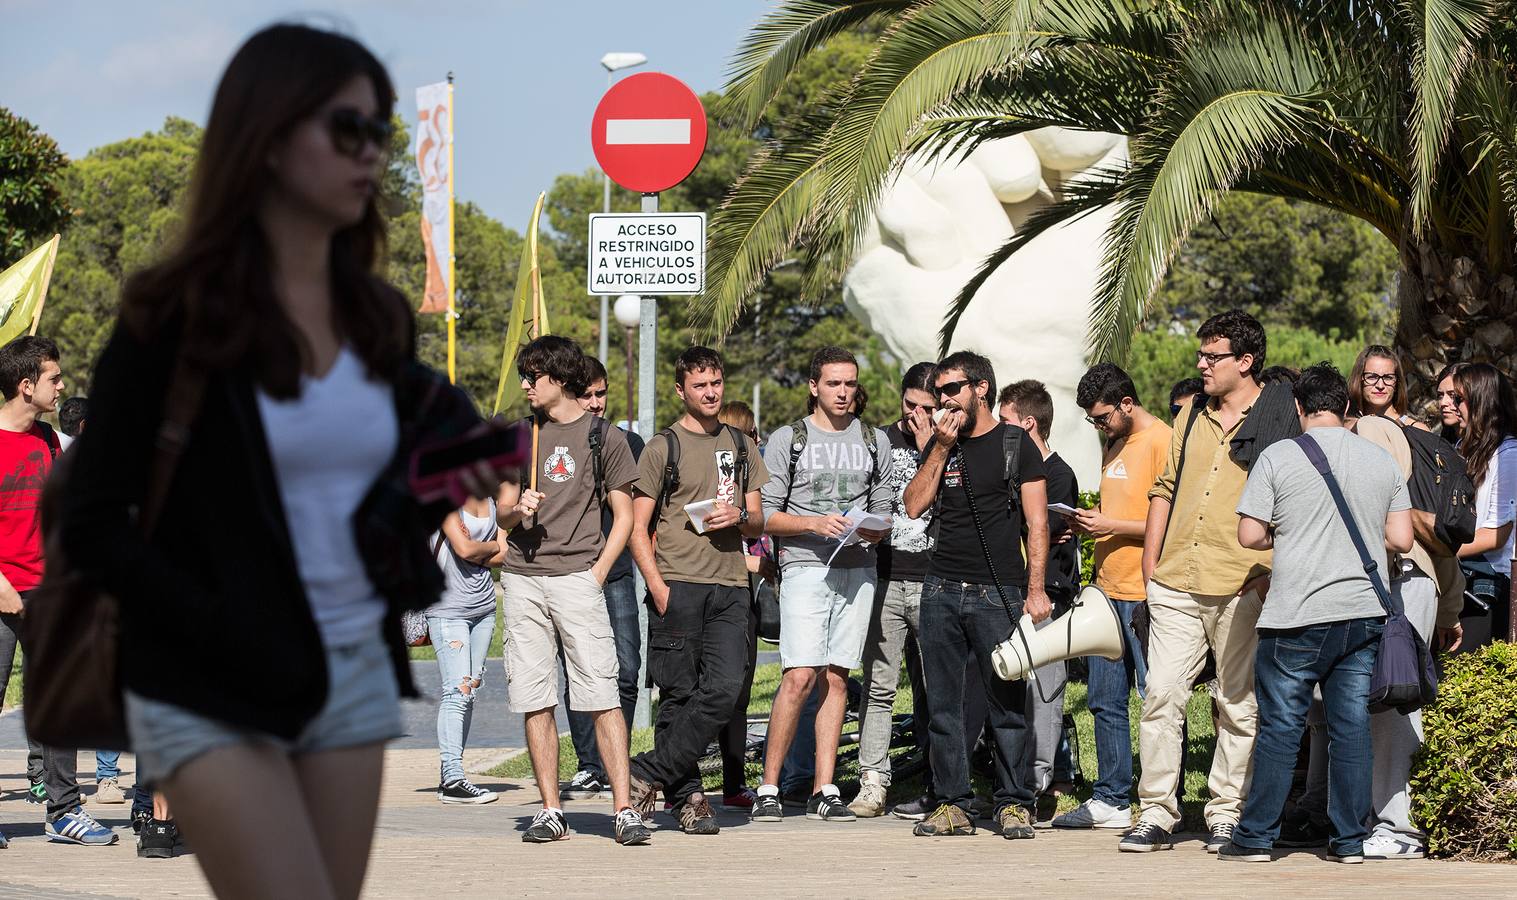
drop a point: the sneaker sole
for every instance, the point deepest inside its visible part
(155, 852)
(915, 833)
(823, 818)
(584, 795)
(469, 801)
(1394, 856)
(532, 839)
(1249, 858)
(1144, 848)
(636, 841)
(64, 839)
(909, 817)
(1017, 834)
(1346, 860)
(766, 818)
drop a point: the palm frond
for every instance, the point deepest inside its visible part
(780, 41)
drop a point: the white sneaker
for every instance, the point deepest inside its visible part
(870, 801)
(1094, 814)
(1384, 846)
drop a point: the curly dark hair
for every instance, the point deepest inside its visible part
(1105, 383)
(557, 357)
(1243, 332)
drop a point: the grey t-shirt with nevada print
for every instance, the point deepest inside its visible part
(831, 476)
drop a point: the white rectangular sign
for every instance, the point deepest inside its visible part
(647, 253)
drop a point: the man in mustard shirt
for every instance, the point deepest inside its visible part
(1204, 590)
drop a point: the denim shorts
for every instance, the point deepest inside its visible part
(824, 615)
(363, 707)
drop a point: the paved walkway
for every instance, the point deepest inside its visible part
(425, 849)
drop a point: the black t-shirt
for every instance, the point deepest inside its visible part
(1063, 574)
(957, 555)
(903, 556)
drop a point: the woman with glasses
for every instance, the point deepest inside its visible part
(261, 652)
(1475, 403)
(1376, 387)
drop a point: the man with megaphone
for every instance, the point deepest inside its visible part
(983, 479)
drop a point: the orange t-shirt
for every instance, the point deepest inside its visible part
(1126, 476)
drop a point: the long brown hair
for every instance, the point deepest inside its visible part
(1488, 395)
(218, 279)
(1356, 380)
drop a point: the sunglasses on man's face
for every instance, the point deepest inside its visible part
(952, 388)
(351, 130)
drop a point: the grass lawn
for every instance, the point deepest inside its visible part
(766, 681)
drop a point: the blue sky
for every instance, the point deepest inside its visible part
(528, 72)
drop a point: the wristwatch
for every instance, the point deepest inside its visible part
(742, 515)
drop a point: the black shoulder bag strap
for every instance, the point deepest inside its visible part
(1190, 422)
(798, 437)
(670, 482)
(1314, 455)
(597, 461)
(740, 443)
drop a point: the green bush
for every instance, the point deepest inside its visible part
(1464, 779)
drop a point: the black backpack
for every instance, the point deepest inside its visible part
(1440, 484)
(799, 434)
(670, 482)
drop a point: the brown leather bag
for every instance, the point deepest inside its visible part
(72, 697)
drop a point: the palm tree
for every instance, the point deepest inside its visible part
(1402, 113)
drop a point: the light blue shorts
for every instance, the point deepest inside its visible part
(363, 707)
(824, 615)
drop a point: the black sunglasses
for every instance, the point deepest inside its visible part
(951, 388)
(1174, 409)
(351, 129)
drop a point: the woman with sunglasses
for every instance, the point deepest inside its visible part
(261, 653)
(1475, 403)
(1376, 387)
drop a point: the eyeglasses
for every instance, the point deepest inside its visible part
(1211, 359)
(1100, 421)
(952, 387)
(351, 129)
(1454, 397)
(1375, 378)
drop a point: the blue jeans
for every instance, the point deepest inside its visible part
(621, 606)
(461, 645)
(1111, 683)
(963, 623)
(107, 764)
(1339, 656)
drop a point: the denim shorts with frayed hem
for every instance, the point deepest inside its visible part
(363, 707)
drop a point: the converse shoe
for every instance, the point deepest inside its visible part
(1384, 846)
(156, 840)
(1221, 836)
(766, 808)
(914, 810)
(870, 801)
(585, 785)
(828, 806)
(547, 826)
(109, 792)
(1146, 837)
(946, 821)
(696, 816)
(462, 791)
(77, 827)
(630, 829)
(1094, 814)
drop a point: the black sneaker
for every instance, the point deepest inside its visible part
(630, 829)
(766, 808)
(547, 826)
(796, 798)
(828, 808)
(462, 791)
(36, 790)
(585, 785)
(1221, 836)
(1146, 837)
(914, 810)
(1302, 832)
(156, 840)
(1235, 853)
(140, 818)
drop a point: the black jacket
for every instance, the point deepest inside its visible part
(214, 615)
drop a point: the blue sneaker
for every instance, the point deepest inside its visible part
(77, 827)
(3, 842)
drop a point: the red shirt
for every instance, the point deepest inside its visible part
(26, 459)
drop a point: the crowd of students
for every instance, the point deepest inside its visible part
(263, 368)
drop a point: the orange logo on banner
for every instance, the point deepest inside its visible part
(432, 163)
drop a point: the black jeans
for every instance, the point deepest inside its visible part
(963, 623)
(58, 769)
(734, 735)
(696, 658)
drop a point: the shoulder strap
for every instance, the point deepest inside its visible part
(798, 436)
(1011, 453)
(670, 482)
(597, 462)
(1314, 455)
(50, 438)
(1190, 422)
(186, 390)
(740, 442)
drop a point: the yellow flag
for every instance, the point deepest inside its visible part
(23, 290)
(528, 307)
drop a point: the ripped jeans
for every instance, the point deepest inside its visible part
(460, 645)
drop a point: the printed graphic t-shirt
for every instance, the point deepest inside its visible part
(707, 468)
(1126, 477)
(834, 473)
(904, 556)
(958, 555)
(565, 536)
(26, 459)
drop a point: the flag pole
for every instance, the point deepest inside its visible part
(47, 278)
(452, 254)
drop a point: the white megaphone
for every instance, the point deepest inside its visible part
(1090, 628)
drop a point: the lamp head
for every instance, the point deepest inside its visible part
(614, 61)
(628, 310)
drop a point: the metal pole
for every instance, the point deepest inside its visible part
(631, 380)
(756, 408)
(605, 302)
(647, 359)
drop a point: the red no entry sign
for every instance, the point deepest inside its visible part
(649, 131)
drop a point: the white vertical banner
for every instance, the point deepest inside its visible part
(433, 132)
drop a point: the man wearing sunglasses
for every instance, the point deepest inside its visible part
(984, 478)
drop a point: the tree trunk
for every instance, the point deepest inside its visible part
(1451, 309)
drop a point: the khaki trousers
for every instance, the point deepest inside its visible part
(1181, 628)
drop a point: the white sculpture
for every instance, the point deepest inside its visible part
(937, 223)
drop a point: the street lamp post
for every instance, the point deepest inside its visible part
(612, 62)
(629, 314)
(629, 311)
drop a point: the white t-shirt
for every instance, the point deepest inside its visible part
(1496, 502)
(328, 446)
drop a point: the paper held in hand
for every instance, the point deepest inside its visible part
(860, 519)
(698, 511)
(1063, 509)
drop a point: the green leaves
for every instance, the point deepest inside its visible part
(32, 208)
